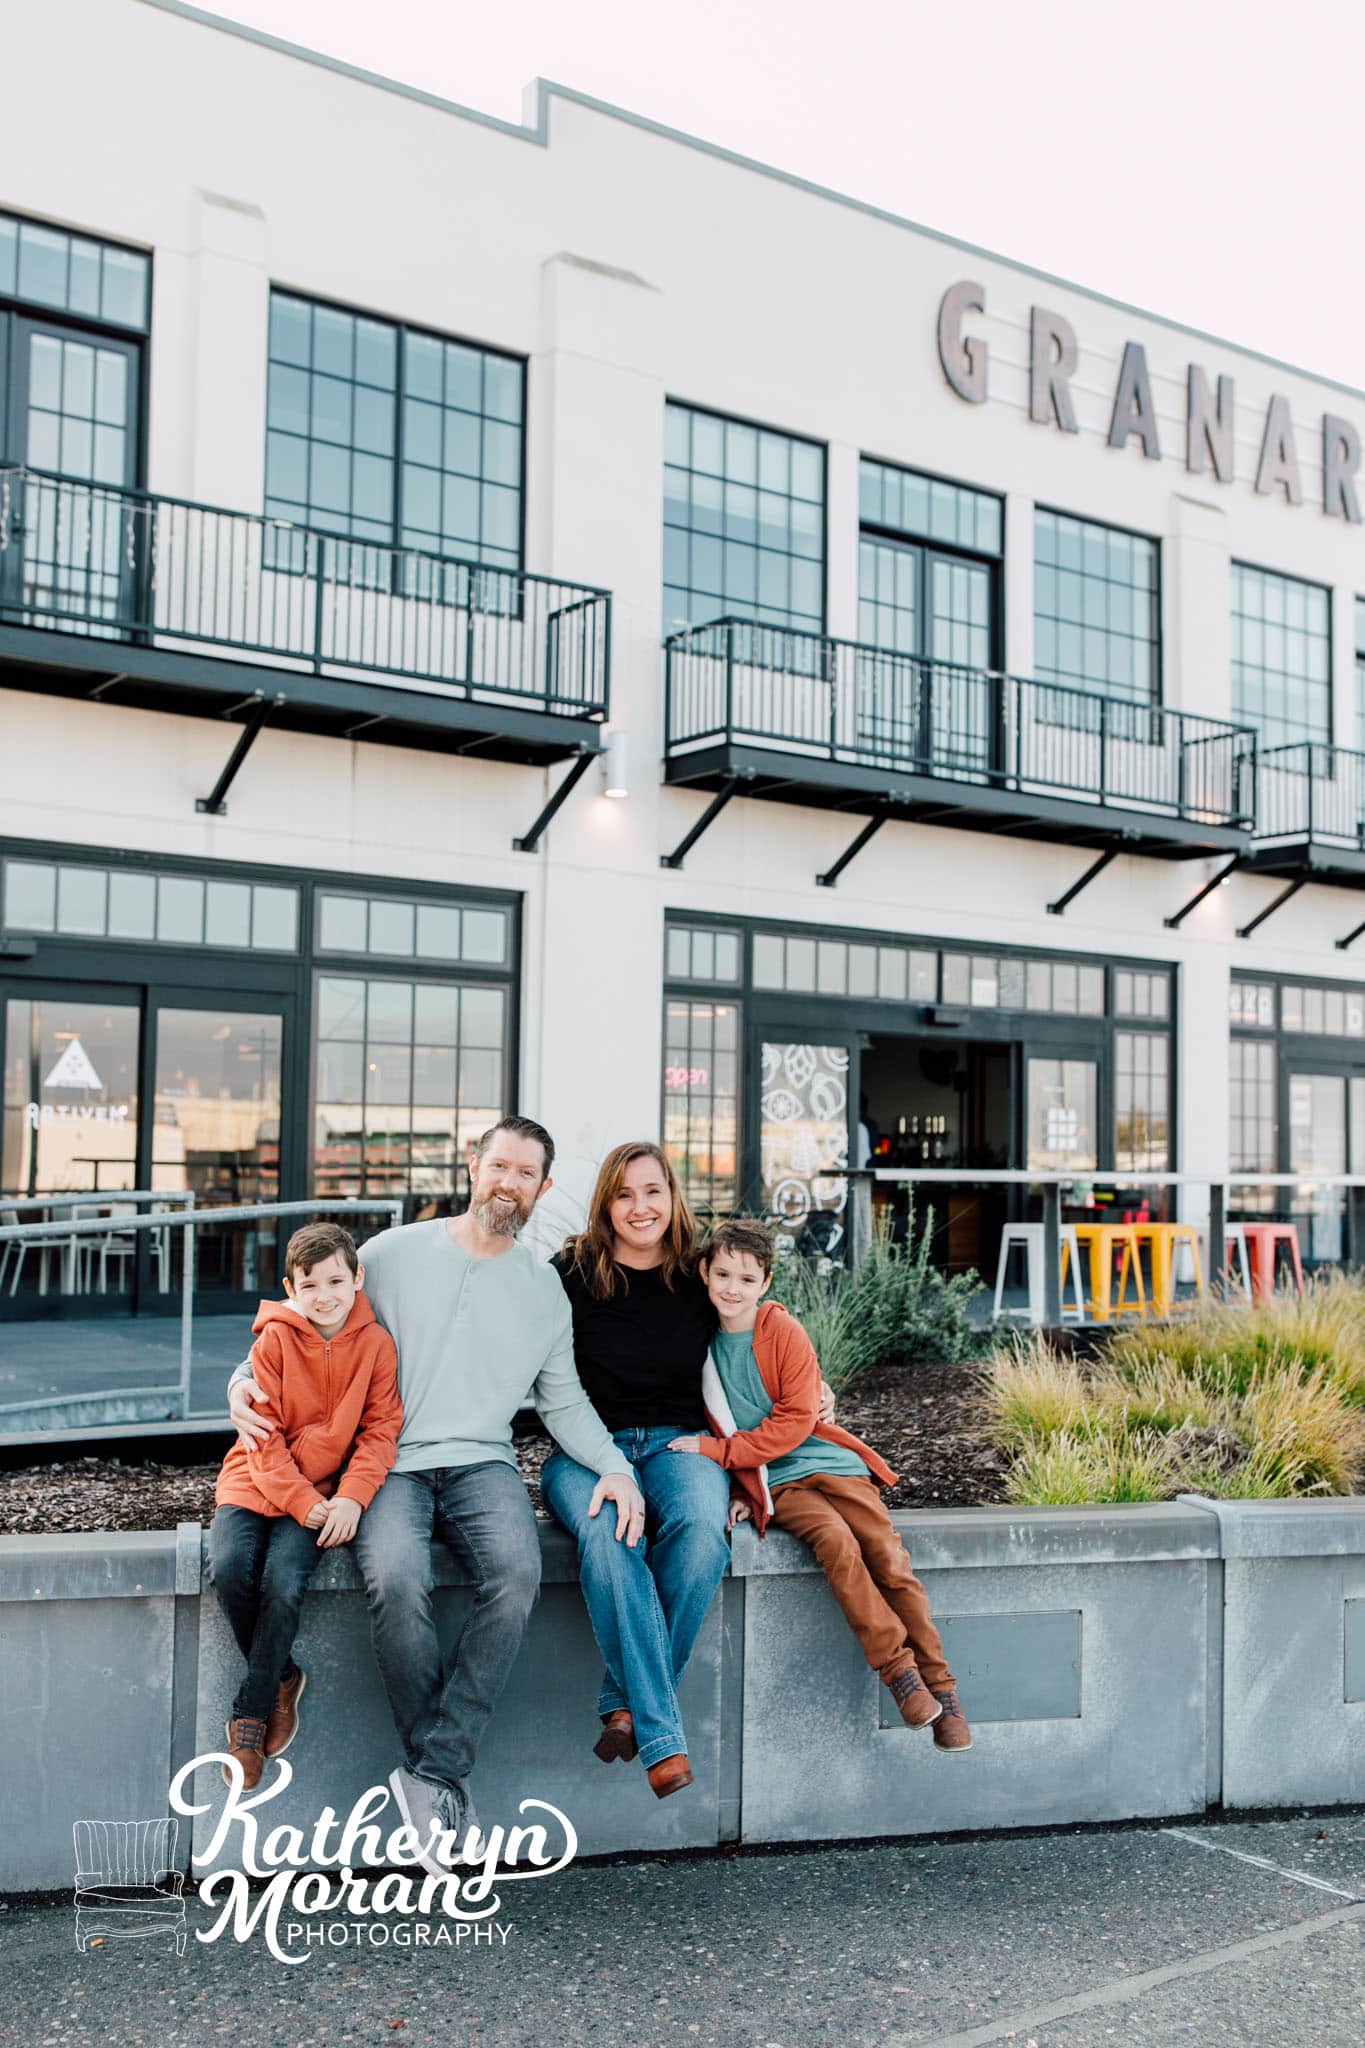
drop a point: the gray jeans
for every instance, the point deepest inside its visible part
(484, 1515)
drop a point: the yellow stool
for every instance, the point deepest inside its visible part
(1104, 1240)
(1163, 1238)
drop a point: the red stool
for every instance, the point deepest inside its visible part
(1262, 1242)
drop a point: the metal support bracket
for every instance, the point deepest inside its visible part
(1174, 923)
(1244, 931)
(869, 831)
(1350, 938)
(704, 822)
(1095, 869)
(529, 841)
(214, 804)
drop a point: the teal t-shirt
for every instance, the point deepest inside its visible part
(750, 1405)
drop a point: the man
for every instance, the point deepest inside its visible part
(479, 1323)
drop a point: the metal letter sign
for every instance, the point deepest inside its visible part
(1210, 421)
(965, 362)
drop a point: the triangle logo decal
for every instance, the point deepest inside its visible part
(74, 1070)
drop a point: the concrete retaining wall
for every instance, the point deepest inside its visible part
(1115, 1663)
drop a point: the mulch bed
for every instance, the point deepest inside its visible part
(922, 1418)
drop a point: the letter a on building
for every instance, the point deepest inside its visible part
(74, 1070)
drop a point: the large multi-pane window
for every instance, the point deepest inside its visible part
(63, 273)
(1096, 608)
(701, 1101)
(1281, 656)
(919, 590)
(384, 434)
(744, 523)
(1142, 1101)
(408, 1074)
(1252, 1127)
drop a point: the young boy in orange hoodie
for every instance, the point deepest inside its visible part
(761, 1391)
(330, 1377)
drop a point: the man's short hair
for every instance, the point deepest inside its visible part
(520, 1127)
(314, 1243)
(744, 1234)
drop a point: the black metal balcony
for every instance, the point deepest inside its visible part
(810, 720)
(1310, 814)
(159, 603)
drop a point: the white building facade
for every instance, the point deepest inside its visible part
(372, 450)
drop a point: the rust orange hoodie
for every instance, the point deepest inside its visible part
(334, 1401)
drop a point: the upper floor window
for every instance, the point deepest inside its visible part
(1281, 656)
(384, 434)
(1096, 608)
(1360, 674)
(64, 273)
(928, 556)
(744, 523)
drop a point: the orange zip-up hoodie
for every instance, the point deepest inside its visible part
(790, 1372)
(334, 1401)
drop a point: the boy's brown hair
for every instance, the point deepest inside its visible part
(314, 1243)
(744, 1234)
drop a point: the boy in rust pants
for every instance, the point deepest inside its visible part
(761, 1389)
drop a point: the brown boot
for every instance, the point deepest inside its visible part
(282, 1724)
(246, 1742)
(617, 1739)
(951, 1730)
(670, 1774)
(917, 1704)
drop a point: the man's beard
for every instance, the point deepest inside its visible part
(499, 1219)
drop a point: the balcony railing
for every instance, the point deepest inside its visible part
(1311, 792)
(98, 562)
(764, 688)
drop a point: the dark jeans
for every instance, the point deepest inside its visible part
(260, 1566)
(483, 1514)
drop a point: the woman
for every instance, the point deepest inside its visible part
(642, 1327)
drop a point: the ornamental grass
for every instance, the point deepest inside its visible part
(1226, 1400)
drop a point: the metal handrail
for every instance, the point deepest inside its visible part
(115, 561)
(746, 682)
(1314, 790)
(69, 1198)
(188, 1220)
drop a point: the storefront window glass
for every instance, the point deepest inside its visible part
(701, 1102)
(1142, 1101)
(405, 929)
(82, 901)
(1063, 1122)
(407, 1075)
(71, 1078)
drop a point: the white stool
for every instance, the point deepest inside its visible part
(1235, 1239)
(1028, 1238)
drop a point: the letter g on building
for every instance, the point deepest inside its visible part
(965, 361)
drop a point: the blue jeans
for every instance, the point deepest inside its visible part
(483, 1514)
(260, 1566)
(647, 1605)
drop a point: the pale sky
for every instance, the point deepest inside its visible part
(1197, 158)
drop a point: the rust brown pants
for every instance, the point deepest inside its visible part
(846, 1524)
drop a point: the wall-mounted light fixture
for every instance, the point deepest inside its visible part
(615, 781)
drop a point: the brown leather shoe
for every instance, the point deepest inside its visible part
(246, 1742)
(917, 1704)
(951, 1731)
(282, 1723)
(283, 1719)
(670, 1774)
(617, 1740)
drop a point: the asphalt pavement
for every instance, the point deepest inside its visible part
(1212, 1935)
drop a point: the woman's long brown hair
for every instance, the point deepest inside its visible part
(593, 1251)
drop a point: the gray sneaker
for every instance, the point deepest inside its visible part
(424, 1805)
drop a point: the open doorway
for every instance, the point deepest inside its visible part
(931, 1102)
